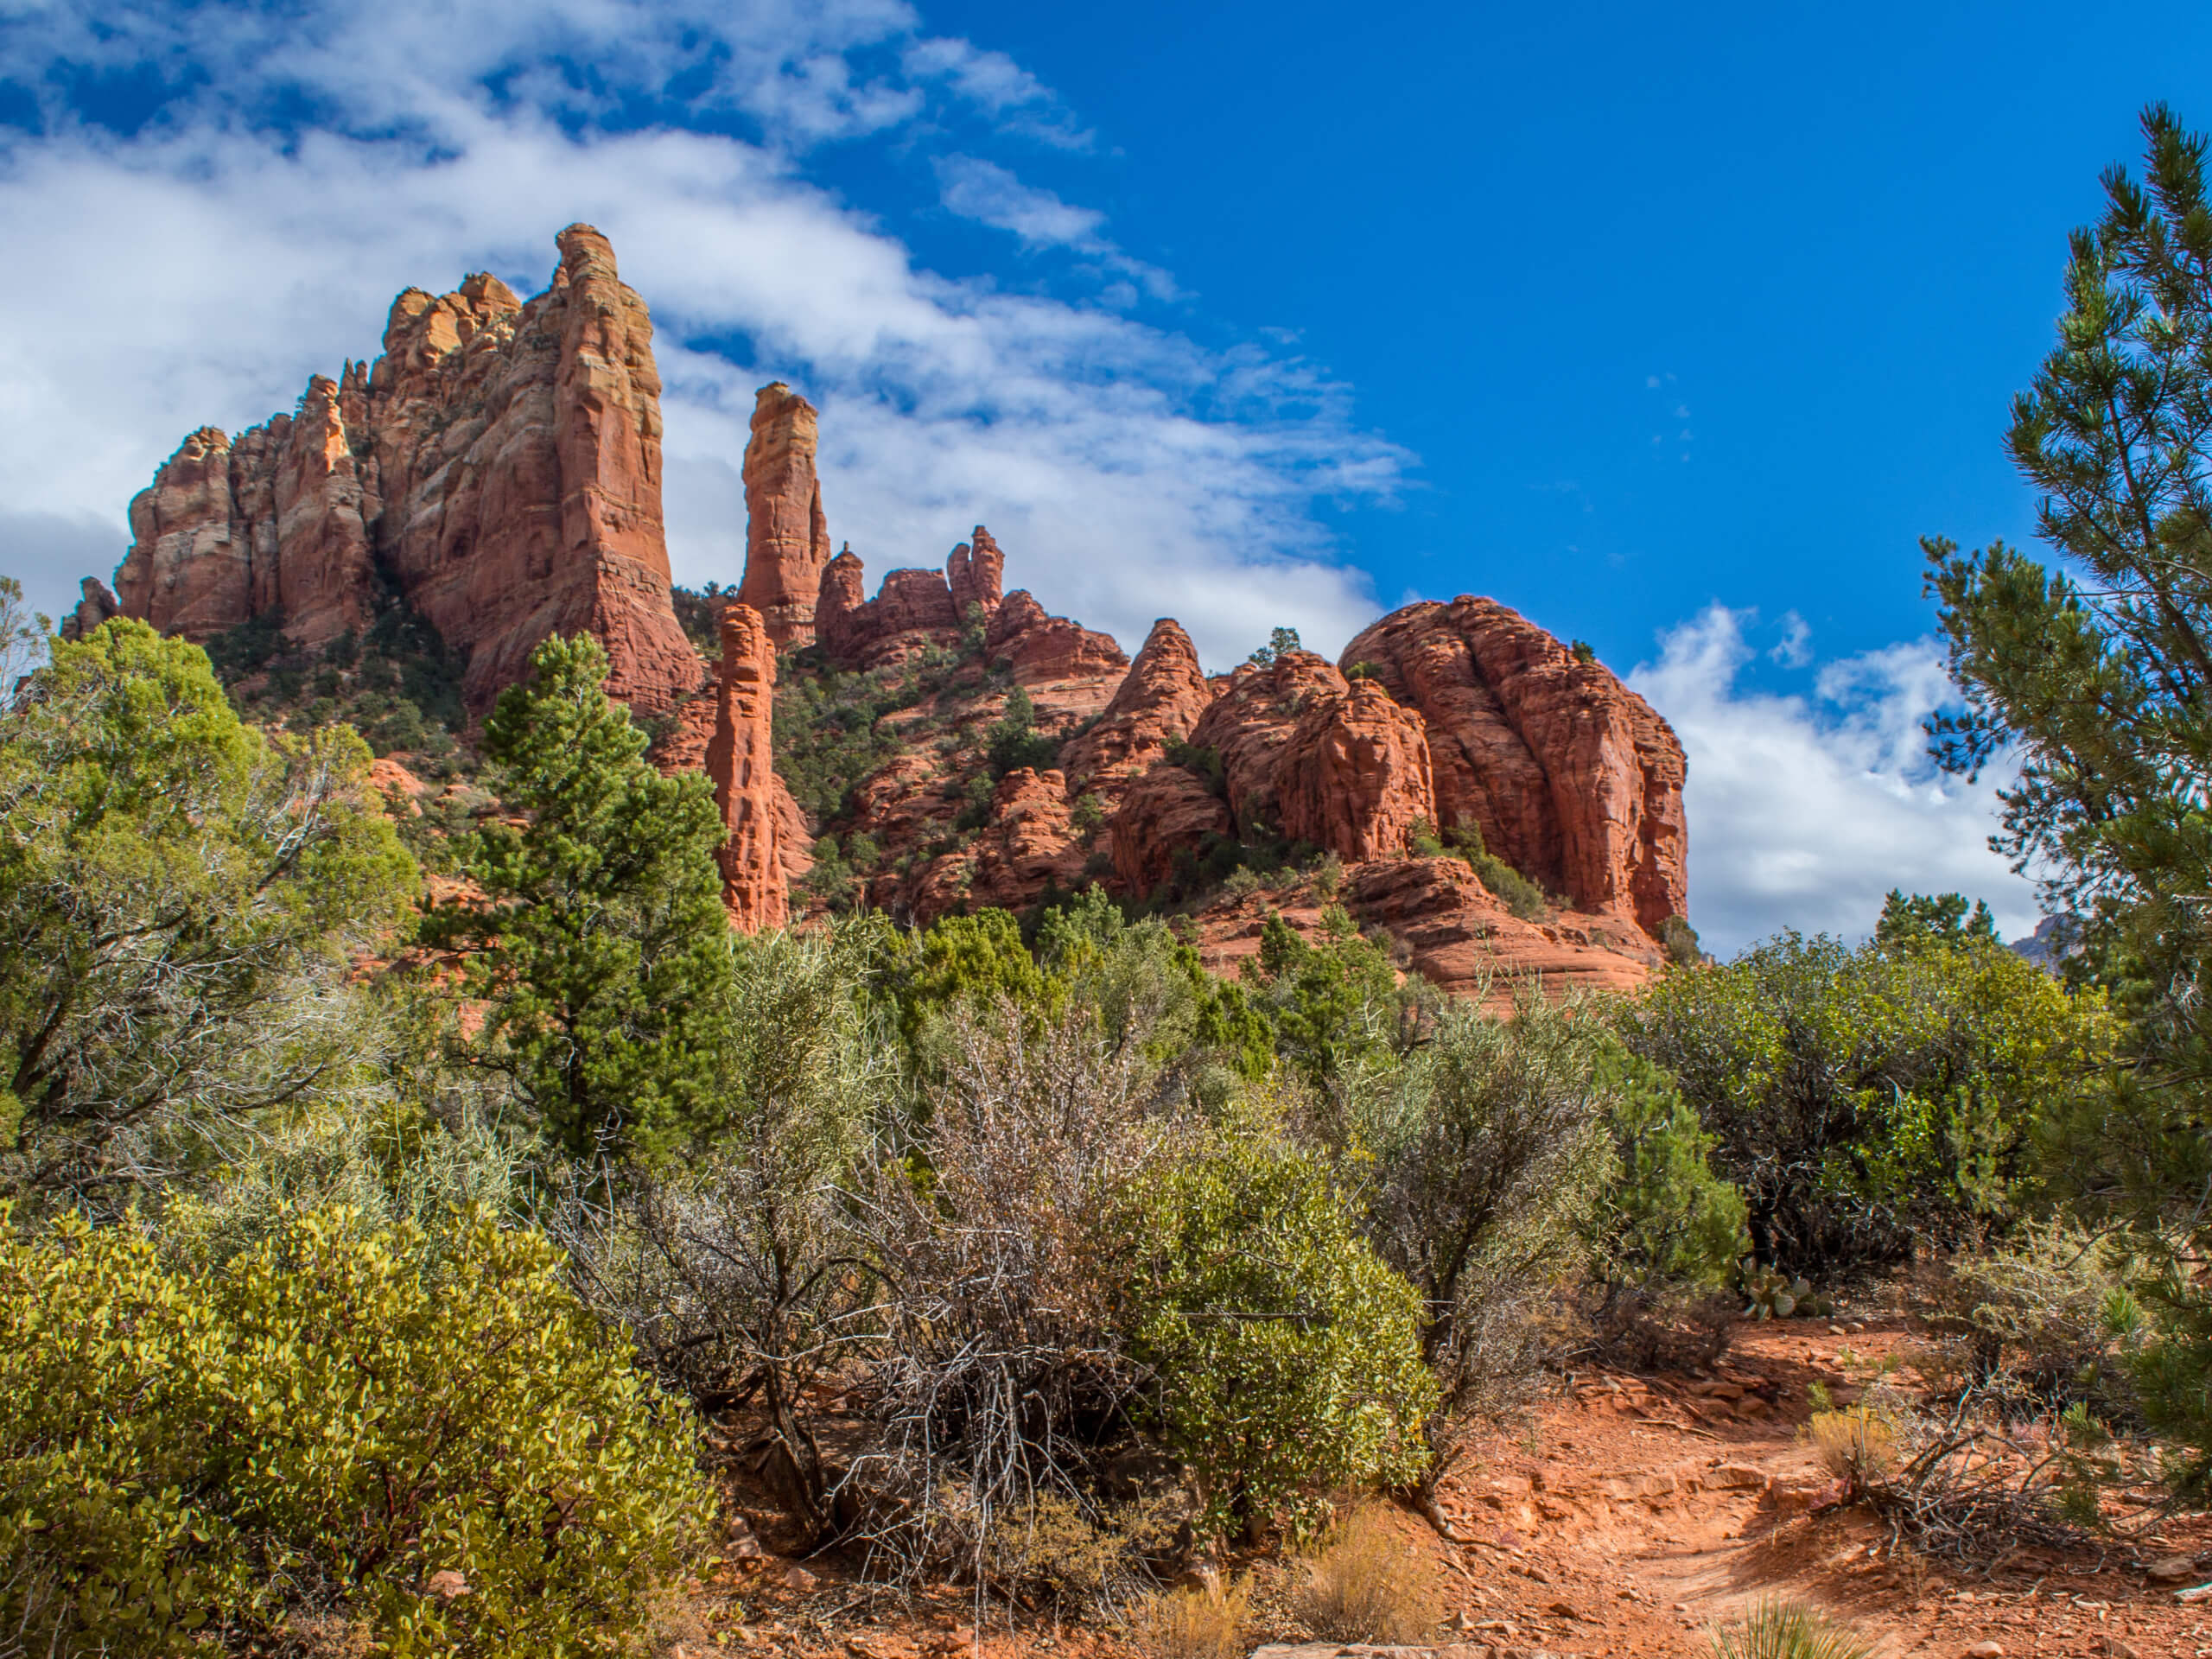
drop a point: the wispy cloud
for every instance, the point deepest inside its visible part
(197, 268)
(1804, 811)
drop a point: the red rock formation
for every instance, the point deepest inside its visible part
(1354, 776)
(786, 539)
(1250, 724)
(746, 790)
(1160, 697)
(915, 610)
(1042, 647)
(976, 574)
(1163, 812)
(1031, 842)
(94, 605)
(502, 459)
(1443, 926)
(1572, 779)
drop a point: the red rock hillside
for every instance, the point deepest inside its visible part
(1459, 781)
(500, 463)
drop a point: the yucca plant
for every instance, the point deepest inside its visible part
(1787, 1629)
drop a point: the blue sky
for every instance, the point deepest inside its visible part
(1671, 329)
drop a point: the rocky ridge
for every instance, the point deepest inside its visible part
(497, 472)
(498, 467)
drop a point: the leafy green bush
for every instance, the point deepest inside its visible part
(1014, 740)
(180, 894)
(1863, 1099)
(422, 1430)
(1287, 1354)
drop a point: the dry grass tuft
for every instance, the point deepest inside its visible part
(1858, 1446)
(1199, 1624)
(1366, 1585)
(1787, 1629)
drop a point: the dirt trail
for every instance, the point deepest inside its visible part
(1641, 1511)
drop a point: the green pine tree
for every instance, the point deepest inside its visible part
(2097, 672)
(602, 933)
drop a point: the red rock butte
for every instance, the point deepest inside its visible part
(499, 469)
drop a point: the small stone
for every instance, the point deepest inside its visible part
(1984, 1650)
(1562, 1610)
(2172, 1569)
(798, 1577)
(447, 1585)
(1835, 1331)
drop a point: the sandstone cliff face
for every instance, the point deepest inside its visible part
(1159, 699)
(740, 759)
(1354, 777)
(786, 538)
(1039, 647)
(501, 461)
(1572, 777)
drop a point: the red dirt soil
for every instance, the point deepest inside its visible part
(1633, 1515)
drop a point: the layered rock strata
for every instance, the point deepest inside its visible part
(786, 538)
(740, 760)
(500, 463)
(1572, 777)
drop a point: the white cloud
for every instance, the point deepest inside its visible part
(1795, 647)
(988, 194)
(1803, 812)
(199, 271)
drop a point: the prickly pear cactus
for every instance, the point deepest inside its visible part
(1774, 1295)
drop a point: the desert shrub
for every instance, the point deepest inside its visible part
(1365, 1585)
(1489, 1154)
(1858, 1447)
(1014, 740)
(1787, 1629)
(1863, 1100)
(180, 894)
(988, 1219)
(1682, 943)
(2046, 1319)
(1522, 897)
(1284, 1354)
(1199, 1623)
(733, 1270)
(333, 1420)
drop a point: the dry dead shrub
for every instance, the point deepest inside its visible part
(1858, 1446)
(1198, 1623)
(1003, 1387)
(2036, 1324)
(1366, 1585)
(1787, 1629)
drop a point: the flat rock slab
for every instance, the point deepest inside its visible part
(1361, 1651)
